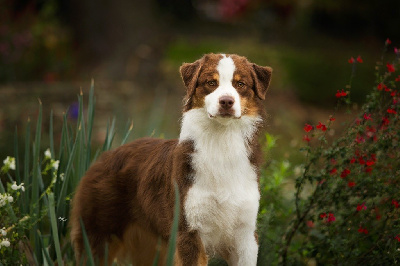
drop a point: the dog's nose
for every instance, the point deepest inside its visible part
(226, 102)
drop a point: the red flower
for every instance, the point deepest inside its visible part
(390, 67)
(351, 60)
(387, 89)
(370, 162)
(351, 184)
(361, 207)
(363, 230)
(341, 94)
(332, 119)
(385, 121)
(306, 138)
(380, 86)
(331, 218)
(388, 41)
(321, 126)
(368, 169)
(310, 224)
(367, 116)
(353, 160)
(396, 50)
(397, 238)
(322, 215)
(308, 128)
(398, 78)
(391, 111)
(360, 139)
(395, 203)
(345, 173)
(393, 93)
(361, 160)
(359, 60)
(378, 217)
(333, 171)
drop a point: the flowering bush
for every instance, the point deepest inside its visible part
(351, 215)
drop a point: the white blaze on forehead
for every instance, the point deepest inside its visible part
(226, 68)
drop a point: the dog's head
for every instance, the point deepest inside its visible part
(226, 86)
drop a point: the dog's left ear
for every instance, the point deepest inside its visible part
(190, 73)
(262, 78)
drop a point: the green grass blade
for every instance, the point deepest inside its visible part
(51, 135)
(16, 155)
(35, 184)
(110, 134)
(90, 119)
(157, 257)
(53, 222)
(45, 253)
(87, 245)
(25, 196)
(128, 132)
(174, 230)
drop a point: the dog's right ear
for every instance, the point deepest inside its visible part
(190, 73)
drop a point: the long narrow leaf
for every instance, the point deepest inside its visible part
(90, 119)
(16, 155)
(128, 132)
(25, 196)
(53, 222)
(35, 183)
(87, 245)
(45, 253)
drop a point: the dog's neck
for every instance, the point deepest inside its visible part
(198, 127)
(219, 147)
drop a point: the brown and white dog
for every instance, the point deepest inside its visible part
(126, 198)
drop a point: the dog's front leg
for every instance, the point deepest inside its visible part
(246, 248)
(190, 250)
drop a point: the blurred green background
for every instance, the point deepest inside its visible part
(133, 49)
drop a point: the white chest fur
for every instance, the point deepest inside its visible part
(224, 197)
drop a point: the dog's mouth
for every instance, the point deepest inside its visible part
(223, 115)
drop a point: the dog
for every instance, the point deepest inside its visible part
(126, 198)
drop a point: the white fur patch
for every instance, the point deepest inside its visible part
(226, 68)
(222, 203)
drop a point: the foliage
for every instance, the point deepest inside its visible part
(34, 207)
(351, 215)
(33, 42)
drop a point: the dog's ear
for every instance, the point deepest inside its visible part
(262, 78)
(190, 73)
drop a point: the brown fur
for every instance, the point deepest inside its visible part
(126, 198)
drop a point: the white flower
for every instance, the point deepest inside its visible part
(47, 154)
(9, 162)
(16, 187)
(3, 231)
(10, 198)
(5, 243)
(55, 164)
(62, 175)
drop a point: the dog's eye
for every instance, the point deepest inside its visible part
(240, 84)
(212, 83)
